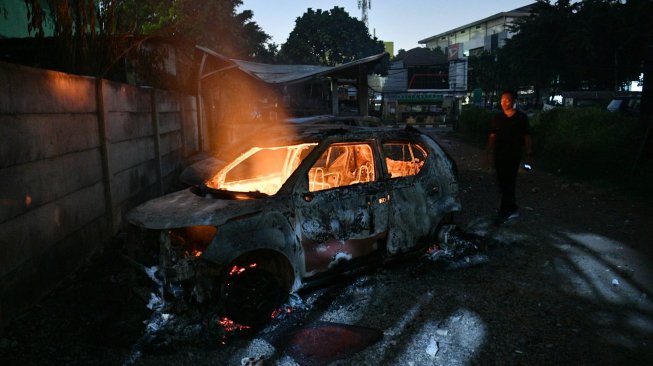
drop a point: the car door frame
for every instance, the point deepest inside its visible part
(329, 248)
(410, 221)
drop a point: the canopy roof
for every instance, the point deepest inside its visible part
(284, 74)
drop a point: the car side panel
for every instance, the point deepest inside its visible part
(409, 218)
(418, 203)
(340, 225)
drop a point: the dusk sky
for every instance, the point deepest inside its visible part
(404, 22)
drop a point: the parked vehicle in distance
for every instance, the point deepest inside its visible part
(578, 99)
(629, 104)
(294, 207)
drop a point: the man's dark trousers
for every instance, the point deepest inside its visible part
(506, 168)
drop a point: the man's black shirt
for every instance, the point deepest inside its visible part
(510, 133)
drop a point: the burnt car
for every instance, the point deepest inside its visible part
(308, 203)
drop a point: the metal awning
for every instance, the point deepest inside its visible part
(286, 74)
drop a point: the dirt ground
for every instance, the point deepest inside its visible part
(570, 282)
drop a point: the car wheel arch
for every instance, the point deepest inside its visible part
(275, 274)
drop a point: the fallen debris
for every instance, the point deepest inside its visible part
(615, 282)
(457, 249)
(252, 361)
(432, 349)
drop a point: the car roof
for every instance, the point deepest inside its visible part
(285, 134)
(369, 121)
(315, 132)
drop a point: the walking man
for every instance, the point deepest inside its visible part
(508, 140)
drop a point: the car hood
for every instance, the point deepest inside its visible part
(201, 171)
(184, 208)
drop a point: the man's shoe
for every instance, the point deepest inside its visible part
(513, 216)
(503, 218)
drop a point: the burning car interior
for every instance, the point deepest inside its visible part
(260, 169)
(342, 165)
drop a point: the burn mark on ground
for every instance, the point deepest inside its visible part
(324, 342)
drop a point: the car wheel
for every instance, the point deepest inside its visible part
(251, 296)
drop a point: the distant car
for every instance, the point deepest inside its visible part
(305, 203)
(550, 106)
(629, 105)
(367, 121)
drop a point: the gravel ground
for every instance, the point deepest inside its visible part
(569, 283)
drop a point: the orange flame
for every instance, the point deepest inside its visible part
(194, 253)
(230, 326)
(260, 169)
(240, 110)
(280, 311)
(433, 248)
(241, 105)
(238, 270)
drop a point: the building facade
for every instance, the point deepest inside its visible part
(428, 87)
(417, 88)
(487, 34)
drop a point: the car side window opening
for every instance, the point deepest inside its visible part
(404, 159)
(341, 165)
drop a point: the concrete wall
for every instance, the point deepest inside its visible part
(75, 154)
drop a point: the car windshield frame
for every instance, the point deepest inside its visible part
(267, 185)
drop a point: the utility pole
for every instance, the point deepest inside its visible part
(646, 109)
(364, 5)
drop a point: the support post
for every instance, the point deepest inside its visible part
(334, 97)
(105, 147)
(157, 140)
(198, 101)
(183, 113)
(362, 95)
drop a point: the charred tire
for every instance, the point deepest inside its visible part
(250, 297)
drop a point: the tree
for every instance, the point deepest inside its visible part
(328, 38)
(593, 44)
(536, 54)
(91, 37)
(636, 39)
(482, 72)
(596, 37)
(82, 37)
(213, 24)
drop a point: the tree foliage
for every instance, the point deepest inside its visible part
(593, 44)
(328, 38)
(214, 24)
(93, 36)
(81, 34)
(483, 73)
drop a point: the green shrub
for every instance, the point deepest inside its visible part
(581, 143)
(595, 146)
(474, 124)
(586, 141)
